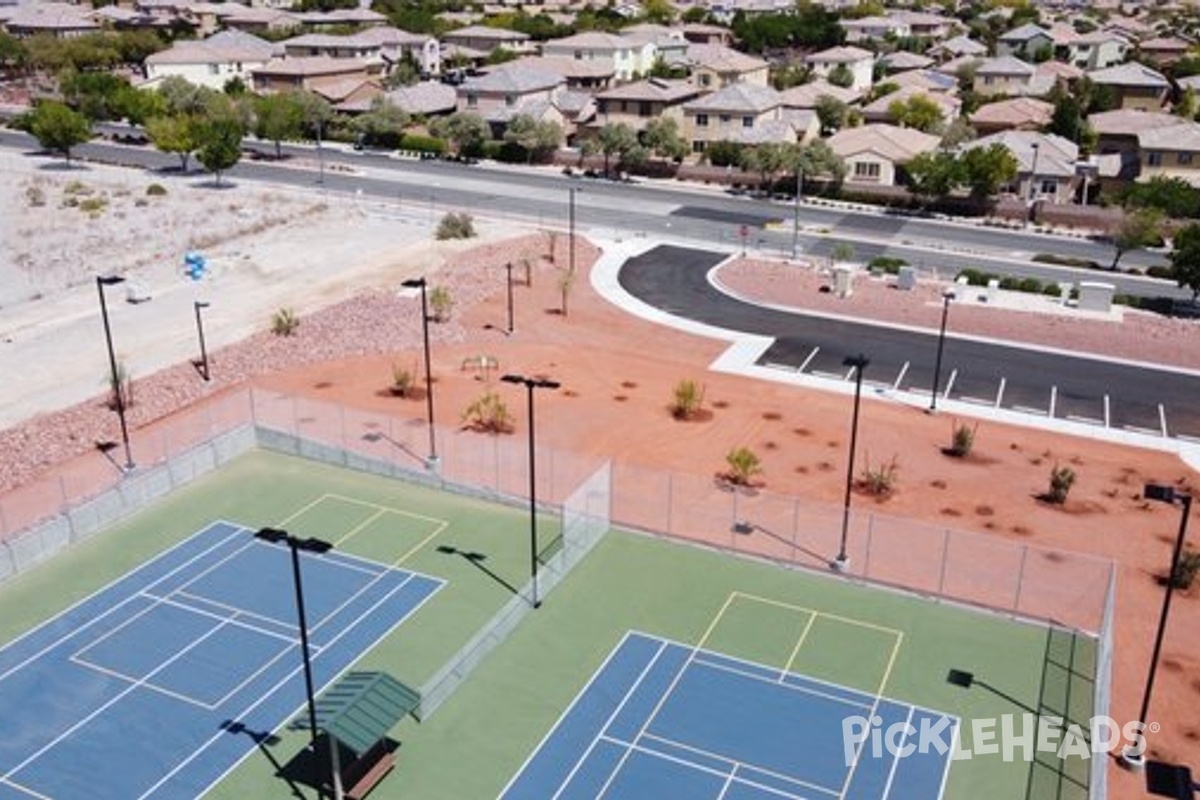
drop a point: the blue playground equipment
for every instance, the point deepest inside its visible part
(195, 266)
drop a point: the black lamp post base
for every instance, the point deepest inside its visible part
(840, 564)
(433, 463)
(1132, 758)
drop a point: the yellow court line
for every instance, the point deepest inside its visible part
(712, 626)
(359, 527)
(838, 617)
(887, 672)
(787, 667)
(441, 527)
(306, 507)
(392, 509)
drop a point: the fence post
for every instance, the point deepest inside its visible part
(795, 527)
(945, 561)
(66, 506)
(866, 569)
(1020, 577)
(670, 502)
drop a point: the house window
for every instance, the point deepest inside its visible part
(705, 79)
(1154, 158)
(697, 146)
(702, 120)
(213, 69)
(472, 101)
(866, 171)
(578, 55)
(747, 122)
(1049, 187)
(725, 119)
(510, 100)
(644, 109)
(1184, 159)
(988, 80)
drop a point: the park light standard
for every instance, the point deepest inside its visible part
(530, 384)
(309, 545)
(114, 375)
(1131, 756)
(858, 364)
(947, 296)
(571, 235)
(421, 283)
(199, 306)
(508, 272)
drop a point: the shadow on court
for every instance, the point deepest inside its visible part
(476, 559)
(265, 741)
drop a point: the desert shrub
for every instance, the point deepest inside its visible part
(403, 380)
(962, 439)
(93, 205)
(880, 480)
(120, 387)
(422, 144)
(887, 264)
(1187, 569)
(456, 226)
(689, 396)
(156, 190)
(440, 301)
(284, 322)
(1160, 271)
(76, 188)
(35, 196)
(744, 465)
(1061, 481)
(1052, 290)
(1064, 261)
(1030, 285)
(489, 414)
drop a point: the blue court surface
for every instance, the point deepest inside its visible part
(665, 720)
(130, 693)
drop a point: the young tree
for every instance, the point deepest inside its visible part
(522, 132)
(614, 139)
(662, 137)
(986, 169)
(219, 145)
(58, 128)
(841, 76)
(768, 160)
(465, 130)
(832, 114)
(174, 134)
(278, 117)
(919, 112)
(1185, 259)
(1138, 229)
(815, 158)
(933, 176)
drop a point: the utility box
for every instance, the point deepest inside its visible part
(993, 290)
(1095, 296)
(843, 281)
(906, 279)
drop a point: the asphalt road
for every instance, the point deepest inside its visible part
(674, 279)
(674, 211)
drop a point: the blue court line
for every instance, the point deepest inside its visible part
(120, 738)
(660, 719)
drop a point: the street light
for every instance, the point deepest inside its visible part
(1134, 757)
(310, 545)
(421, 283)
(118, 392)
(571, 237)
(796, 212)
(1033, 176)
(947, 296)
(508, 271)
(530, 384)
(199, 305)
(858, 364)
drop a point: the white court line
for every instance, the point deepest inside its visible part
(790, 686)
(24, 789)
(887, 787)
(170, 601)
(112, 673)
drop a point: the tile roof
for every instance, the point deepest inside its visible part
(840, 55)
(654, 90)
(806, 95)
(513, 78)
(720, 58)
(738, 97)
(889, 141)
(1128, 121)
(1014, 111)
(1183, 137)
(1056, 156)
(1004, 65)
(224, 47)
(426, 97)
(1130, 74)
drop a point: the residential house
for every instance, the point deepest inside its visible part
(874, 28)
(808, 95)
(586, 74)
(212, 62)
(57, 20)
(486, 40)
(425, 99)
(699, 33)
(1172, 152)
(1046, 164)
(880, 110)
(1118, 133)
(340, 18)
(1095, 50)
(925, 25)
(507, 87)
(859, 62)
(258, 20)
(670, 45)
(715, 66)
(628, 58)
(1014, 114)
(310, 74)
(902, 60)
(1026, 42)
(956, 47)
(635, 104)
(927, 80)
(1004, 75)
(1164, 51)
(737, 112)
(1136, 85)
(874, 154)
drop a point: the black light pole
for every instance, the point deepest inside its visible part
(508, 270)
(1163, 494)
(421, 283)
(947, 296)
(310, 545)
(530, 384)
(571, 237)
(118, 392)
(858, 364)
(199, 305)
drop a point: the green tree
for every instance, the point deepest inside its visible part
(662, 137)
(1140, 228)
(278, 117)
(768, 160)
(533, 137)
(932, 176)
(465, 130)
(832, 114)
(658, 12)
(919, 112)
(176, 135)
(614, 139)
(986, 169)
(182, 96)
(219, 145)
(1173, 196)
(12, 53)
(383, 125)
(957, 133)
(58, 128)
(841, 76)
(1185, 259)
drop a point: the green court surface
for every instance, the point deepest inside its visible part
(875, 641)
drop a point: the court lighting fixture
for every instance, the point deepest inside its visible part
(115, 376)
(295, 545)
(947, 296)
(508, 271)
(199, 305)
(422, 284)
(1163, 494)
(858, 364)
(530, 384)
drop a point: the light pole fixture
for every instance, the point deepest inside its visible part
(947, 296)
(422, 284)
(530, 384)
(295, 545)
(199, 305)
(118, 391)
(1135, 757)
(858, 364)
(508, 272)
